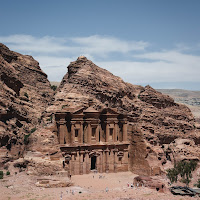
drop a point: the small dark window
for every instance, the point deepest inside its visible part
(99, 137)
(93, 132)
(76, 132)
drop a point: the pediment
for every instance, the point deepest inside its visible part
(112, 111)
(79, 110)
(90, 110)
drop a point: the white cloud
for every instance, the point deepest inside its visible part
(76, 45)
(99, 44)
(54, 55)
(151, 72)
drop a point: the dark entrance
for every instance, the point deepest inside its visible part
(93, 162)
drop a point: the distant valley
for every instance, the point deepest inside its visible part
(187, 97)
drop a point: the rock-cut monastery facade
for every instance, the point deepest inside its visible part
(92, 140)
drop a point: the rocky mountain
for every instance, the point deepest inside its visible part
(24, 95)
(157, 121)
(152, 111)
(159, 131)
(187, 97)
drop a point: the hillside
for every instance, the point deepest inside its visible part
(187, 97)
(24, 95)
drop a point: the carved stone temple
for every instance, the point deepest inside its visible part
(93, 140)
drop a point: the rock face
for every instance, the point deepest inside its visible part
(159, 119)
(156, 121)
(152, 111)
(24, 95)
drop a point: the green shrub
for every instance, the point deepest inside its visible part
(50, 118)
(26, 95)
(33, 130)
(63, 106)
(197, 184)
(1, 174)
(7, 173)
(26, 137)
(183, 169)
(53, 87)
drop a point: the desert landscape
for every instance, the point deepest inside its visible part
(99, 100)
(87, 186)
(90, 137)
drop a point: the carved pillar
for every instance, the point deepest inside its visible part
(97, 133)
(81, 162)
(67, 136)
(72, 164)
(101, 134)
(115, 132)
(72, 134)
(107, 160)
(62, 131)
(87, 162)
(107, 132)
(89, 133)
(125, 160)
(101, 161)
(125, 131)
(115, 159)
(80, 138)
(85, 134)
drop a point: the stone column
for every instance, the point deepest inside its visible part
(85, 134)
(87, 162)
(62, 131)
(125, 160)
(89, 133)
(101, 161)
(107, 132)
(115, 132)
(81, 162)
(80, 138)
(97, 133)
(101, 134)
(72, 164)
(67, 136)
(107, 161)
(115, 159)
(125, 132)
(72, 134)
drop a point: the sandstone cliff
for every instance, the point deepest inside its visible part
(156, 121)
(159, 119)
(24, 95)
(152, 111)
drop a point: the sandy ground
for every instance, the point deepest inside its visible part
(86, 187)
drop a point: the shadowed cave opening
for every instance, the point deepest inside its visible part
(93, 162)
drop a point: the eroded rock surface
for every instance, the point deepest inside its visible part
(156, 120)
(159, 119)
(24, 95)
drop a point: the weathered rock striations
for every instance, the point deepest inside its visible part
(152, 111)
(159, 119)
(160, 130)
(24, 95)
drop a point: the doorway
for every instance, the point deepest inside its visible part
(93, 162)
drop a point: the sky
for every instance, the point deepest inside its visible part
(145, 42)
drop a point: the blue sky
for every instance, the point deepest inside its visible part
(155, 42)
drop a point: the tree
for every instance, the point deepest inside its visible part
(197, 184)
(53, 87)
(183, 169)
(1, 174)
